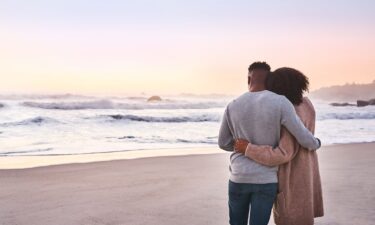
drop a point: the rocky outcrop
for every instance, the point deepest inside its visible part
(342, 104)
(1, 105)
(362, 103)
(154, 98)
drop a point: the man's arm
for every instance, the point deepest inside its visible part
(293, 123)
(226, 140)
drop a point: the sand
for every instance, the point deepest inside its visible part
(21, 162)
(180, 189)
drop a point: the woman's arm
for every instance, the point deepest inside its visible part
(267, 155)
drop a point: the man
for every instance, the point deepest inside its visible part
(257, 116)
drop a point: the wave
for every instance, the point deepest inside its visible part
(347, 116)
(25, 151)
(158, 139)
(154, 119)
(205, 141)
(32, 121)
(102, 104)
(171, 105)
(108, 104)
(36, 96)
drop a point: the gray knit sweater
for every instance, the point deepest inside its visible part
(258, 117)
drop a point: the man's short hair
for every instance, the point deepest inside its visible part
(260, 65)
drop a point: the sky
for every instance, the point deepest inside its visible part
(172, 46)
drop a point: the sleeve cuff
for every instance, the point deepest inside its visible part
(320, 143)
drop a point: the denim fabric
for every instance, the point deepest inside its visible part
(256, 198)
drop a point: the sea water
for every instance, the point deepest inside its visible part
(72, 124)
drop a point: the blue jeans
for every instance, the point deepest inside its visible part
(256, 198)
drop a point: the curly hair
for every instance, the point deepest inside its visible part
(288, 82)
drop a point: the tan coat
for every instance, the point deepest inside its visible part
(300, 193)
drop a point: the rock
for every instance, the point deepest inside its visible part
(361, 103)
(154, 98)
(1, 105)
(127, 137)
(342, 104)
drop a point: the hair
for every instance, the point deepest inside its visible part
(260, 65)
(288, 82)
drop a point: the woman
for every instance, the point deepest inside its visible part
(300, 193)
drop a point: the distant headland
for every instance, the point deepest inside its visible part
(346, 93)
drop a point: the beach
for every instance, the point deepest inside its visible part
(162, 187)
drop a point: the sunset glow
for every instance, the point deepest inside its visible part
(171, 47)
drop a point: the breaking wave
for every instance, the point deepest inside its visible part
(32, 121)
(158, 139)
(153, 119)
(347, 116)
(25, 151)
(133, 103)
(101, 104)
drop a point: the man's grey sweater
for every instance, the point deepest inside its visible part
(258, 117)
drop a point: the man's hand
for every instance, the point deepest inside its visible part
(240, 145)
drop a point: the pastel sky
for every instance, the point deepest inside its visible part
(172, 46)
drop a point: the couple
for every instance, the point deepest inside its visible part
(270, 132)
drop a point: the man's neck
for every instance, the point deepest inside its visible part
(257, 88)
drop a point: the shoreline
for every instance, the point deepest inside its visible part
(33, 161)
(25, 162)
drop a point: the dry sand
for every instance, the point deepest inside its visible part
(167, 190)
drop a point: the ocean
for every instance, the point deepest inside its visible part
(73, 124)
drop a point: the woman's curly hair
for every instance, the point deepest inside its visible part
(288, 82)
